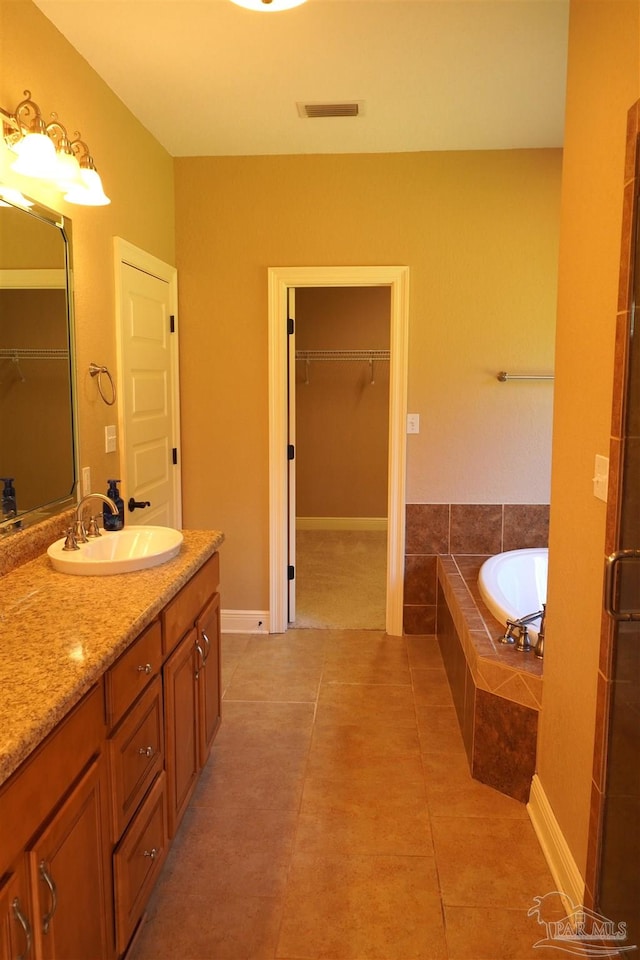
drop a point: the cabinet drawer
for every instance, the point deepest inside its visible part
(138, 860)
(136, 754)
(132, 672)
(180, 615)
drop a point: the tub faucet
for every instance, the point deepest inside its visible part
(518, 633)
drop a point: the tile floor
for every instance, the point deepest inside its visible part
(336, 818)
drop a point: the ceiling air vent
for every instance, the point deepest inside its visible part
(346, 108)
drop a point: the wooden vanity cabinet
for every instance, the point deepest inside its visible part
(55, 845)
(86, 820)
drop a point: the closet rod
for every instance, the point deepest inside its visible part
(342, 354)
(19, 353)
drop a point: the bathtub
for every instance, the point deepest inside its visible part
(514, 583)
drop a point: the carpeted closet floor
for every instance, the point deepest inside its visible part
(341, 579)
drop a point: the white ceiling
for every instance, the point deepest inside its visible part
(209, 78)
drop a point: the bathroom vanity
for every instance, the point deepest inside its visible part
(110, 704)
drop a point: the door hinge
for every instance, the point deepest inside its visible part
(172, 324)
(290, 325)
(291, 452)
(291, 572)
(174, 455)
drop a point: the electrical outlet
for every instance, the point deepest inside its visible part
(413, 423)
(601, 478)
(86, 481)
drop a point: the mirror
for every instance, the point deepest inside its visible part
(37, 448)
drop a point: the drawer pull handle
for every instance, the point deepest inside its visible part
(153, 853)
(46, 920)
(145, 669)
(146, 751)
(26, 926)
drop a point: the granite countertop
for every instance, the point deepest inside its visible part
(59, 633)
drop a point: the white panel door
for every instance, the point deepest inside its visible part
(147, 398)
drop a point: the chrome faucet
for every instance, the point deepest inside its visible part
(77, 532)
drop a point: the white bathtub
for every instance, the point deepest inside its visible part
(514, 584)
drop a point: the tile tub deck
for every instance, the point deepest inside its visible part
(496, 690)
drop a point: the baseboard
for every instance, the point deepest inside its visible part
(244, 621)
(341, 523)
(563, 867)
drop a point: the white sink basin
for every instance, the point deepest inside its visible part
(120, 551)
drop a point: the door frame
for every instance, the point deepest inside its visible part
(280, 279)
(128, 254)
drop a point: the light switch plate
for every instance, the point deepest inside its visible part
(110, 439)
(601, 478)
(86, 481)
(413, 423)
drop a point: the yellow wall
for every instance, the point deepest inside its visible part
(479, 233)
(342, 419)
(137, 174)
(603, 82)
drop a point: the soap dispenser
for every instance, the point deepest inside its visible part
(110, 520)
(9, 506)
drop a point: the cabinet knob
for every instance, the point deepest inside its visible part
(152, 854)
(146, 751)
(145, 669)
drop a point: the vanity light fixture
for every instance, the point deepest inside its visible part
(13, 198)
(269, 6)
(44, 150)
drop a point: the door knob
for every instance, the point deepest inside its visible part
(137, 504)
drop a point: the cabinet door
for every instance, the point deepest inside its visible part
(71, 875)
(16, 928)
(181, 727)
(208, 627)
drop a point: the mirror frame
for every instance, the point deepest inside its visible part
(58, 505)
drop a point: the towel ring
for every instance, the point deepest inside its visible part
(96, 371)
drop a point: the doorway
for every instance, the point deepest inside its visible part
(339, 411)
(281, 281)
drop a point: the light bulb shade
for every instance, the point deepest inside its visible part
(268, 6)
(13, 197)
(36, 156)
(90, 193)
(68, 173)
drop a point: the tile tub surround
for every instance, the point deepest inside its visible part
(497, 691)
(436, 529)
(60, 633)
